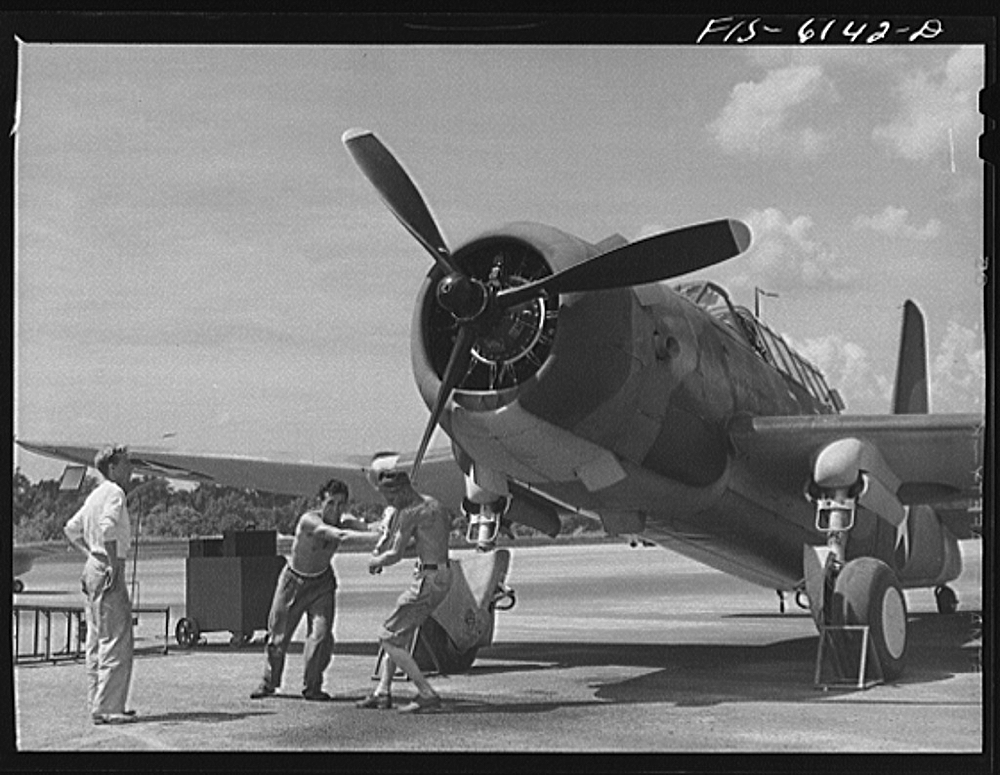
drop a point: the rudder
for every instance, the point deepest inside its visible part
(910, 395)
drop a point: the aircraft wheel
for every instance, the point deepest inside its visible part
(947, 600)
(434, 638)
(187, 633)
(867, 592)
(18, 586)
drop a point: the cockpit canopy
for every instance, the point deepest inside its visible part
(740, 323)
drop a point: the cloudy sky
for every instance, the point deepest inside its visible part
(200, 264)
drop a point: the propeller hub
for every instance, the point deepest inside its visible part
(464, 297)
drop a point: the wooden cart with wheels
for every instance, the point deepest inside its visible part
(229, 586)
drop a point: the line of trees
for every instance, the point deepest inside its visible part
(40, 510)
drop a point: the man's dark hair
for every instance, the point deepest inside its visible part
(334, 487)
(108, 456)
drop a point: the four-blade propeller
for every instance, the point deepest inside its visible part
(655, 258)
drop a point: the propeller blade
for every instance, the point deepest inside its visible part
(458, 362)
(399, 193)
(658, 257)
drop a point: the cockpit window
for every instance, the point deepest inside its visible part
(713, 299)
(768, 345)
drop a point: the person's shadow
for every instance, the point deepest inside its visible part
(197, 717)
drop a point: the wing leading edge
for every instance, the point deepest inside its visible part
(443, 479)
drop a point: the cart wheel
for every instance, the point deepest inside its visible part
(187, 633)
(18, 586)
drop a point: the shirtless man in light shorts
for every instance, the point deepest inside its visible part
(428, 523)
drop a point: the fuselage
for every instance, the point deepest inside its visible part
(619, 401)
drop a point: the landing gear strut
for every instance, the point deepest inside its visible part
(485, 522)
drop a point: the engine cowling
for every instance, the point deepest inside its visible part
(512, 345)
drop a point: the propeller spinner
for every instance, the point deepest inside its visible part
(474, 305)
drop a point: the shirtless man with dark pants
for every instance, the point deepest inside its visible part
(307, 585)
(428, 523)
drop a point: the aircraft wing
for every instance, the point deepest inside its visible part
(439, 475)
(938, 458)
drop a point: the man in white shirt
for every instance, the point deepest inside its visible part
(101, 530)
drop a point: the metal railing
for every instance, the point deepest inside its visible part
(58, 632)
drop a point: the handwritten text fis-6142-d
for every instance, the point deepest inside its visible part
(730, 29)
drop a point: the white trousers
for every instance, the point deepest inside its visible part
(109, 638)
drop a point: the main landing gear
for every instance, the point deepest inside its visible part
(866, 592)
(862, 597)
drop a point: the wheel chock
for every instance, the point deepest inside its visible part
(846, 658)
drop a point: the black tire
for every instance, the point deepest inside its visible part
(434, 639)
(946, 599)
(867, 592)
(187, 633)
(18, 586)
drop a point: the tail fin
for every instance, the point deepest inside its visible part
(910, 393)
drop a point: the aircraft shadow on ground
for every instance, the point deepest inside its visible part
(692, 674)
(709, 674)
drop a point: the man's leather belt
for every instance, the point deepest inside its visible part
(308, 576)
(431, 566)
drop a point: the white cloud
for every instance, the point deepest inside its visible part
(958, 371)
(784, 255)
(935, 106)
(758, 117)
(892, 222)
(847, 368)
(826, 56)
